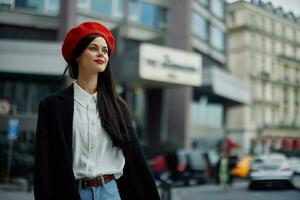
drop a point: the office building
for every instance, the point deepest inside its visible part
(170, 63)
(264, 51)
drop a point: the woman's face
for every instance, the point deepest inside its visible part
(94, 58)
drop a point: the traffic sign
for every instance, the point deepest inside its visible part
(13, 129)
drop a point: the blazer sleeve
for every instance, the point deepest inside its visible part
(142, 170)
(42, 167)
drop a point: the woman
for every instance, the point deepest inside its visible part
(86, 146)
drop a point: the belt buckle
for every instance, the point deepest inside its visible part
(102, 180)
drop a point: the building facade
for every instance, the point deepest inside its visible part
(170, 63)
(264, 50)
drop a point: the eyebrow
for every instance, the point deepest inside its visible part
(98, 45)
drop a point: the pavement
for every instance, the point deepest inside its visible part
(15, 192)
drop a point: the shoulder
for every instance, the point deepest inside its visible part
(65, 93)
(49, 99)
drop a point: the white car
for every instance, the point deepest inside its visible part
(295, 164)
(270, 170)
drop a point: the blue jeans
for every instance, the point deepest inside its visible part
(107, 191)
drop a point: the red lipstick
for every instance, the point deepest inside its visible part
(100, 61)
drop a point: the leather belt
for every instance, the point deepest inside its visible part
(95, 181)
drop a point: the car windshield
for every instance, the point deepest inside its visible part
(270, 160)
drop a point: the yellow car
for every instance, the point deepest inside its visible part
(242, 168)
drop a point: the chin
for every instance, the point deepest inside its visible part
(101, 69)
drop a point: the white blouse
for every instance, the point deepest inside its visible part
(93, 152)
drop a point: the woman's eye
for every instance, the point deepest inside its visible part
(105, 50)
(93, 48)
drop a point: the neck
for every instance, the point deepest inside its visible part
(89, 84)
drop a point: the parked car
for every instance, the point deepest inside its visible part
(295, 164)
(270, 170)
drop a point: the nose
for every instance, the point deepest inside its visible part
(100, 54)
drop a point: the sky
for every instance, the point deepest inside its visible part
(287, 5)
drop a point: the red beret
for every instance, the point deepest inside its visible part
(82, 30)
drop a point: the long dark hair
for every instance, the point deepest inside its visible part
(114, 112)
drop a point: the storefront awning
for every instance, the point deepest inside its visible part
(220, 86)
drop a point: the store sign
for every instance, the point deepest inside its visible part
(169, 65)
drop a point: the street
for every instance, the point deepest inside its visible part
(15, 195)
(202, 192)
(237, 192)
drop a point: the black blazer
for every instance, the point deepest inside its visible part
(53, 173)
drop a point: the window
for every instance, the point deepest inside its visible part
(152, 15)
(26, 95)
(216, 38)
(30, 4)
(273, 27)
(286, 72)
(148, 13)
(118, 8)
(232, 17)
(199, 26)
(217, 8)
(283, 29)
(263, 43)
(101, 7)
(203, 2)
(84, 4)
(205, 114)
(263, 23)
(273, 47)
(44, 6)
(253, 40)
(52, 6)
(20, 96)
(263, 65)
(252, 19)
(134, 8)
(162, 17)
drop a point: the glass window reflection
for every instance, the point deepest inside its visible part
(118, 7)
(199, 26)
(37, 5)
(52, 6)
(134, 7)
(101, 7)
(217, 8)
(45, 6)
(216, 38)
(203, 2)
(148, 13)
